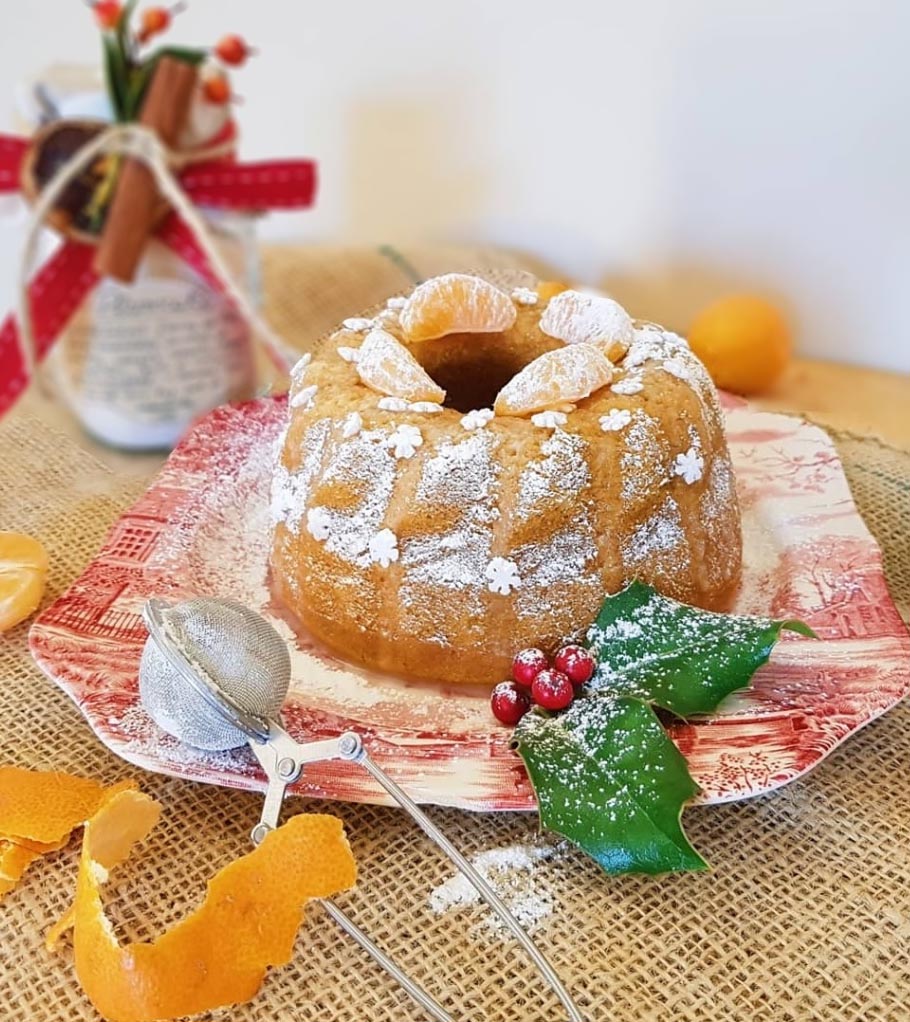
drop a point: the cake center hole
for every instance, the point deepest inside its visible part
(472, 368)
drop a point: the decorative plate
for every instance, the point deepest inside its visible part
(202, 528)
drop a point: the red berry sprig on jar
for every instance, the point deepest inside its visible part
(233, 50)
(108, 14)
(537, 681)
(155, 20)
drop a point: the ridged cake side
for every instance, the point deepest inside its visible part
(432, 543)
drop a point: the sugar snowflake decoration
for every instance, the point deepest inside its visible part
(630, 385)
(549, 420)
(477, 419)
(676, 367)
(405, 441)
(525, 296)
(358, 324)
(502, 576)
(318, 523)
(352, 425)
(384, 548)
(300, 367)
(426, 407)
(305, 398)
(349, 354)
(392, 404)
(690, 466)
(615, 420)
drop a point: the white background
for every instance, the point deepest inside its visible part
(670, 150)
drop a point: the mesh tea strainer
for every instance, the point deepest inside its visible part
(214, 674)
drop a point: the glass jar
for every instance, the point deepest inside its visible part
(139, 362)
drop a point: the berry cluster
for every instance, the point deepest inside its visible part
(536, 680)
(113, 16)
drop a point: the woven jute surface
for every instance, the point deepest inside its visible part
(806, 915)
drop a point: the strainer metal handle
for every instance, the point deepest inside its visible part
(283, 759)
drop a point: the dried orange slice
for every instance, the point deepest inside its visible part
(456, 303)
(23, 569)
(555, 378)
(578, 318)
(218, 955)
(387, 366)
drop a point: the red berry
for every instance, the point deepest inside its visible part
(509, 703)
(232, 50)
(154, 21)
(576, 662)
(528, 664)
(552, 690)
(108, 13)
(217, 89)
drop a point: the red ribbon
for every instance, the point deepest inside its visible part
(63, 283)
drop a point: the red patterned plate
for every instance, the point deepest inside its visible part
(202, 528)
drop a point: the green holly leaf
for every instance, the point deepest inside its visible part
(681, 658)
(605, 772)
(609, 779)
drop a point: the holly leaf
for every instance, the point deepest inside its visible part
(681, 658)
(605, 772)
(609, 779)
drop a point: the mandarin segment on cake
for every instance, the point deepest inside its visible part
(441, 502)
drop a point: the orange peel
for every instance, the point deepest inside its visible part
(218, 955)
(39, 809)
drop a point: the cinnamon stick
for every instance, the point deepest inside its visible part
(136, 205)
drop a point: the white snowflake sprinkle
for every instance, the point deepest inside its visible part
(384, 548)
(349, 354)
(405, 441)
(502, 576)
(629, 385)
(477, 419)
(549, 420)
(305, 398)
(676, 367)
(352, 425)
(300, 367)
(425, 407)
(392, 404)
(358, 324)
(396, 302)
(690, 466)
(318, 523)
(615, 420)
(525, 296)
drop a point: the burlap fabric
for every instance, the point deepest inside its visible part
(806, 915)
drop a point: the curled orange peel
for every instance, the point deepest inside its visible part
(39, 809)
(218, 955)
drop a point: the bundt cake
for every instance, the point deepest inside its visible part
(472, 470)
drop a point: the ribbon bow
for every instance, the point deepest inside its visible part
(49, 300)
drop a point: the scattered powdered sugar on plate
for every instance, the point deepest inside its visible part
(515, 875)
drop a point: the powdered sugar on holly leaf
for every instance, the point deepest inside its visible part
(605, 772)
